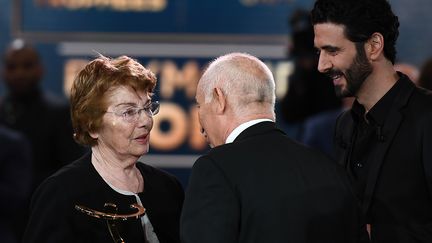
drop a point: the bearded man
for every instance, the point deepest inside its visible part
(385, 140)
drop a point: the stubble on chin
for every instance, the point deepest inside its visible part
(341, 92)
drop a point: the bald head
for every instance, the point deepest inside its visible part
(246, 82)
(235, 88)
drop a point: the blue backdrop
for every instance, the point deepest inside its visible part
(67, 31)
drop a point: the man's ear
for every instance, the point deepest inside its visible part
(375, 46)
(219, 100)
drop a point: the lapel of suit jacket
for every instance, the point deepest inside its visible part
(390, 129)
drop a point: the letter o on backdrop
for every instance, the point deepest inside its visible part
(176, 135)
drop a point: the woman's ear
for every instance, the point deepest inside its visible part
(94, 135)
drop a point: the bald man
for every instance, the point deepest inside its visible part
(256, 184)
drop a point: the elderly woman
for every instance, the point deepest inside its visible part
(112, 111)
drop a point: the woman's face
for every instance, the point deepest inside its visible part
(122, 136)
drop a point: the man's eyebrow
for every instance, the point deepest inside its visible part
(329, 48)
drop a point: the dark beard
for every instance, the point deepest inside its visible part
(355, 75)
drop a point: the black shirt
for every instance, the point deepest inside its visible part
(367, 134)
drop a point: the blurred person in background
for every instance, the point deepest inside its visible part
(409, 70)
(384, 141)
(425, 77)
(15, 182)
(309, 91)
(256, 184)
(112, 112)
(318, 130)
(43, 118)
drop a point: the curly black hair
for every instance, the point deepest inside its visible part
(361, 18)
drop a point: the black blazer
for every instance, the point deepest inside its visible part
(264, 187)
(398, 194)
(54, 218)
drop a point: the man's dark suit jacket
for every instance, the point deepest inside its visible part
(264, 187)
(398, 194)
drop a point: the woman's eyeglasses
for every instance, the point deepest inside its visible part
(132, 114)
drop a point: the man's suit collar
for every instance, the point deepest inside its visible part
(407, 87)
(257, 129)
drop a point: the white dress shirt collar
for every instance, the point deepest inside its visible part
(234, 134)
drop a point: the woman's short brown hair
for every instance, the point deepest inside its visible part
(88, 104)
